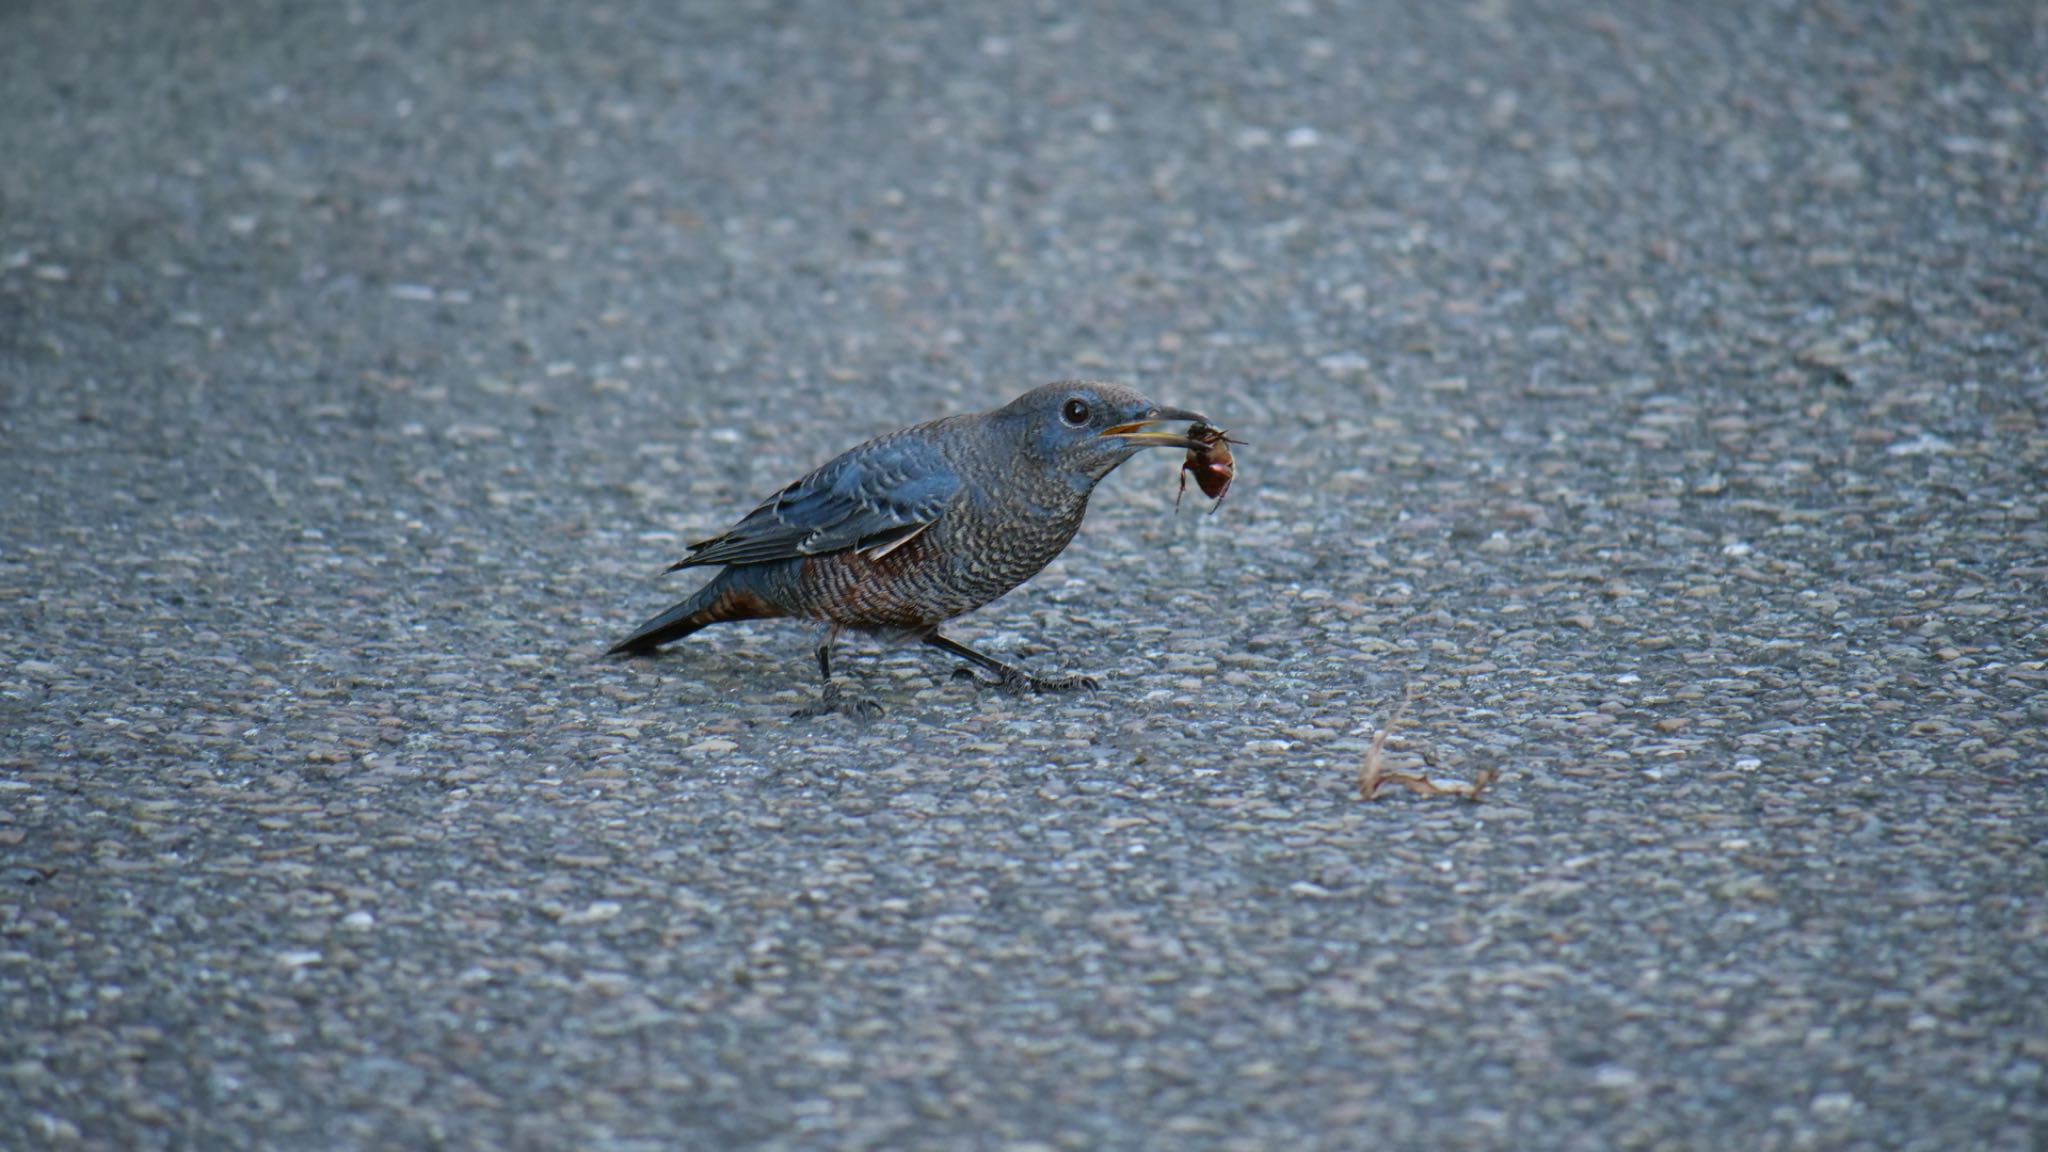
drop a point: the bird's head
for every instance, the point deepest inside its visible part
(1083, 429)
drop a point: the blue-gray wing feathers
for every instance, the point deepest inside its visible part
(872, 499)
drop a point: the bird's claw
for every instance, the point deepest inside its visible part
(1016, 680)
(834, 699)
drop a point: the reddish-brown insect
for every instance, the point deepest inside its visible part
(1211, 463)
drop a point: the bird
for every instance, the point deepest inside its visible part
(909, 530)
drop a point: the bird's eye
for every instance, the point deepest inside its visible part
(1076, 412)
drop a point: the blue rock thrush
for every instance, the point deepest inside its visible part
(911, 529)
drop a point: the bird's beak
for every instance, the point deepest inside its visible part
(1139, 433)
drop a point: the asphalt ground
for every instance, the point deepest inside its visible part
(1644, 402)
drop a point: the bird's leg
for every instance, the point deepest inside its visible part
(832, 699)
(1007, 676)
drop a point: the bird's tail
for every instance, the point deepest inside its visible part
(725, 598)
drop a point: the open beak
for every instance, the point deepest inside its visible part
(1140, 434)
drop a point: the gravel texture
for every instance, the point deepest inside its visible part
(1652, 395)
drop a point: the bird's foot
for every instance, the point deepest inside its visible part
(1017, 680)
(834, 699)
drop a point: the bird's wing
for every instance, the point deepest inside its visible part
(872, 499)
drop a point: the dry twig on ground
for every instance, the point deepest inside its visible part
(1374, 774)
